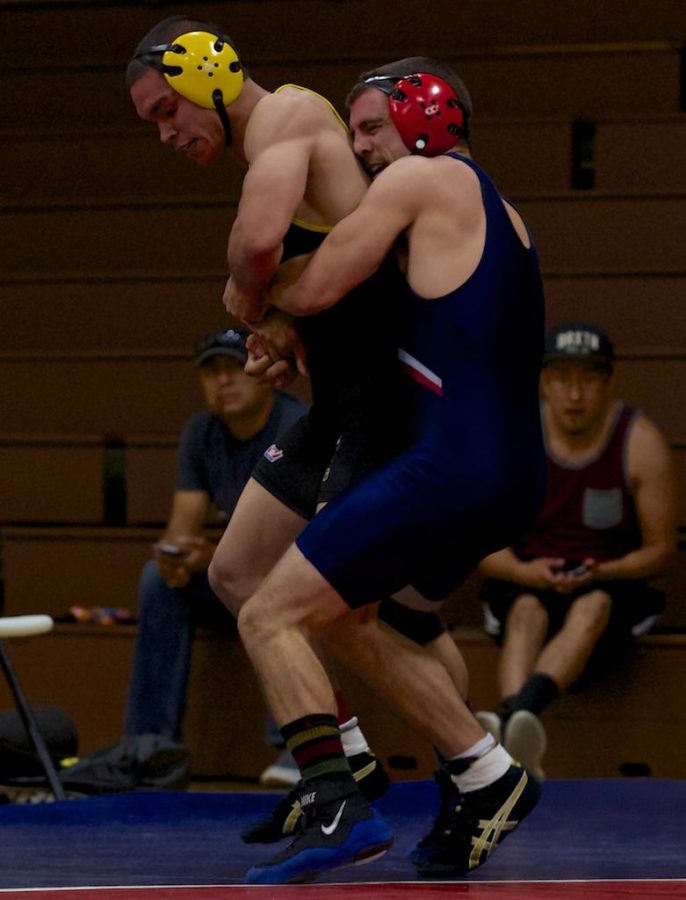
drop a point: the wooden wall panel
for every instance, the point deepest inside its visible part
(185, 238)
(321, 29)
(162, 313)
(150, 480)
(54, 165)
(637, 310)
(641, 156)
(658, 387)
(575, 85)
(105, 396)
(521, 155)
(49, 570)
(51, 482)
(597, 234)
(158, 395)
(88, 314)
(188, 238)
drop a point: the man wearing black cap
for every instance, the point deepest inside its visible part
(218, 450)
(575, 585)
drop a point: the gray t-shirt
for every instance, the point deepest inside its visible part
(212, 460)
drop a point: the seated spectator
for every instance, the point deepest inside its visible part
(576, 587)
(218, 450)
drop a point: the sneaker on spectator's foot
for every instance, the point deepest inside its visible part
(282, 773)
(283, 820)
(337, 830)
(525, 741)
(491, 723)
(446, 793)
(477, 822)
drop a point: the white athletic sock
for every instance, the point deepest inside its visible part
(352, 738)
(492, 762)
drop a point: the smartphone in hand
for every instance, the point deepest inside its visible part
(573, 568)
(169, 549)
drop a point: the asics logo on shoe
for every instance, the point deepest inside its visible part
(491, 829)
(329, 829)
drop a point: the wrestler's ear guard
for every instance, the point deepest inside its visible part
(202, 67)
(426, 110)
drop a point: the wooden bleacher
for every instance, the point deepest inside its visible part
(632, 723)
(113, 263)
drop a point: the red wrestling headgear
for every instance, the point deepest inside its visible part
(426, 111)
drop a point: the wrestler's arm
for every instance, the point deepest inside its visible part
(355, 248)
(272, 191)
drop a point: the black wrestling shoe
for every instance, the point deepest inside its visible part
(338, 829)
(283, 820)
(477, 822)
(446, 793)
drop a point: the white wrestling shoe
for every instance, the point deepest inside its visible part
(283, 773)
(525, 740)
(491, 723)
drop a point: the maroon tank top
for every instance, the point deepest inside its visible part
(588, 510)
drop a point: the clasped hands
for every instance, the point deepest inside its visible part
(276, 354)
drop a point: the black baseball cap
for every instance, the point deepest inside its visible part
(578, 342)
(223, 343)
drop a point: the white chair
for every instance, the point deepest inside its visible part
(28, 626)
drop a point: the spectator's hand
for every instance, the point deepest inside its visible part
(172, 567)
(198, 553)
(248, 306)
(575, 579)
(543, 573)
(195, 555)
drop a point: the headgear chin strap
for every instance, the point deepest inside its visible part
(425, 109)
(202, 67)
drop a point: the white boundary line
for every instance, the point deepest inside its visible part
(369, 884)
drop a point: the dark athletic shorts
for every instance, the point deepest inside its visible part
(635, 606)
(309, 464)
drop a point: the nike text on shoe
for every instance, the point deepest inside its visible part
(283, 820)
(478, 821)
(336, 831)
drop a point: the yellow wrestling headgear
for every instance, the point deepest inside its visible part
(202, 67)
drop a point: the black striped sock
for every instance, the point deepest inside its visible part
(315, 742)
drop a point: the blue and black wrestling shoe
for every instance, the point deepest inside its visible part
(286, 817)
(338, 829)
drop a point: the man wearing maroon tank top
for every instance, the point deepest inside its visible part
(576, 585)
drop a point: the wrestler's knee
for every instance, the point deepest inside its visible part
(227, 582)
(255, 623)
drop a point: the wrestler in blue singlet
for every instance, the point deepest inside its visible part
(474, 474)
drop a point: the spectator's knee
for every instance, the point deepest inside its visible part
(591, 612)
(526, 610)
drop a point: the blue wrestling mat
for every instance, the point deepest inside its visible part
(591, 829)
